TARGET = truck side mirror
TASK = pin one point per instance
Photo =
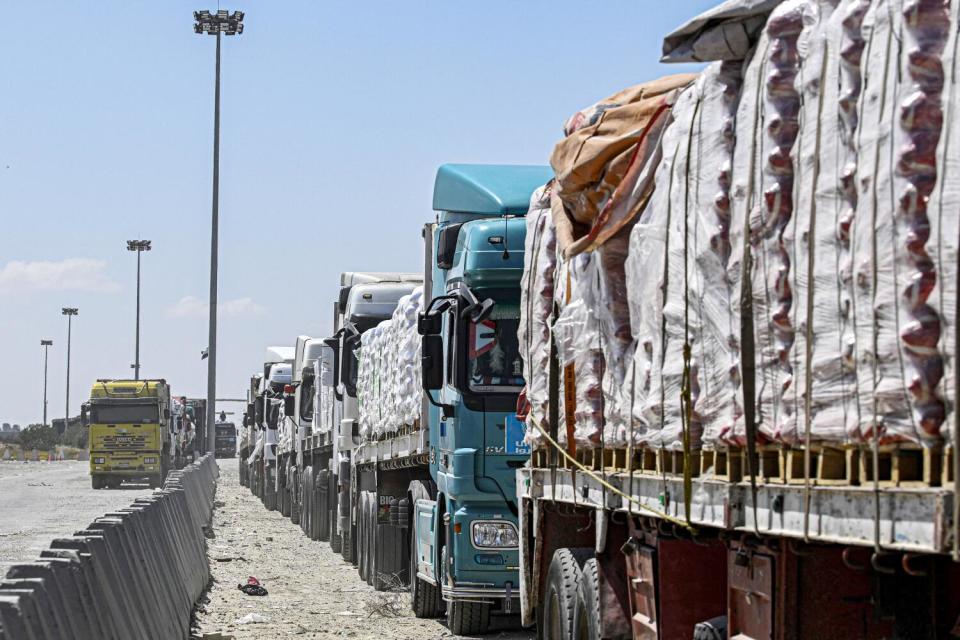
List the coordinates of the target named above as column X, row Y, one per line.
column 431, row 362
column 289, row 405
column 166, row 414
column 429, row 324
column 480, row 311
column 83, row 415
column 258, row 410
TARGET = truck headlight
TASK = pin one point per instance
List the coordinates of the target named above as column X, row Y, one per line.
column 493, row 534
column 98, row 461
column 149, row 461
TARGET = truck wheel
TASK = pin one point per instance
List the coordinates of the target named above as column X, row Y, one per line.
column 468, row 618
column 586, row 616
column 424, row 597
column 369, row 529
column 269, row 490
column 283, row 494
column 321, row 505
column 294, row 492
column 559, row 600
column 306, row 502
column 96, row 482
column 336, row 542
column 156, row 481
column 361, row 537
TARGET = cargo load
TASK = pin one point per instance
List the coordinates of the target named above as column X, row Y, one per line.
column 781, row 228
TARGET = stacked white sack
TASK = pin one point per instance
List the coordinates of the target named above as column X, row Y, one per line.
column 407, row 389
column 945, row 230
column 898, row 283
column 324, row 405
column 365, row 394
column 536, row 310
column 578, row 342
column 676, row 273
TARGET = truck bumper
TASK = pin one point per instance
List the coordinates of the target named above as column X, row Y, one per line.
column 476, row 592
column 125, row 464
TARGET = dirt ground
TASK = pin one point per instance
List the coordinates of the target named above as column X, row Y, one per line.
column 313, row 593
column 40, row 501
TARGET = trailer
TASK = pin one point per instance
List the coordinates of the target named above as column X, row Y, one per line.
column 739, row 399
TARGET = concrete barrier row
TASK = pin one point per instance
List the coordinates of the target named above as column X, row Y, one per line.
column 133, row 573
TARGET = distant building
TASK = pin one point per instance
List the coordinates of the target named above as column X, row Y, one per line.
column 6, row 426
column 16, row 427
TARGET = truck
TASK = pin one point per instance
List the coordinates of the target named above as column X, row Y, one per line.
column 130, row 431
column 266, row 399
column 432, row 479
column 325, row 401
column 226, row 440
column 740, row 402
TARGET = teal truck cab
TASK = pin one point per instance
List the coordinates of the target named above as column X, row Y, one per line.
column 437, row 499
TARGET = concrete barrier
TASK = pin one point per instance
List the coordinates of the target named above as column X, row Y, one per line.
column 133, row 573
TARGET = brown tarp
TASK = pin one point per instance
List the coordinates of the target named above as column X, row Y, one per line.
column 604, row 166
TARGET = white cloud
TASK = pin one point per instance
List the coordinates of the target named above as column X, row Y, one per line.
column 72, row 274
column 191, row 307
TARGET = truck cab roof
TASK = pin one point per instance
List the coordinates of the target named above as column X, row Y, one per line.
column 368, row 304
column 487, row 189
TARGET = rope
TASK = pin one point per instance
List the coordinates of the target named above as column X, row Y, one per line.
column 606, row 485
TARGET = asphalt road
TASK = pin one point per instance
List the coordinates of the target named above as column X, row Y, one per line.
column 40, row 501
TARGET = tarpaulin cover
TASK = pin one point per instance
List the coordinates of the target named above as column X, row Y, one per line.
column 725, row 32
column 600, row 182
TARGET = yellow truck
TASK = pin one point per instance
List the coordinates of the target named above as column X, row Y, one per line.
column 129, row 423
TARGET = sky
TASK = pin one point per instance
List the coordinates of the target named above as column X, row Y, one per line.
column 335, row 117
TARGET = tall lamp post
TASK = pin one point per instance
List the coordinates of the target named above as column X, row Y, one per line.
column 139, row 246
column 46, row 344
column 216, row 24
column 69, row 312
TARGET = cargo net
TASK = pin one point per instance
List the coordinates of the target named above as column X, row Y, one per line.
column 777, row 239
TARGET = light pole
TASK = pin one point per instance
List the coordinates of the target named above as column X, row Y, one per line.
column 69, row 312
column 226, row 23
column 46, row 344
column 139, row 246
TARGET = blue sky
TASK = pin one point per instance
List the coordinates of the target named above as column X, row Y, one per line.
column 335, row 118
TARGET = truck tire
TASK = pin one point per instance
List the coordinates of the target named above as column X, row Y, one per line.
column 306, row 497
column 559, row 599
column 321, row 506
column 424, row 597
column 96, row 482
column 156, row 481
column 293, row 483
column 586, row 615
column 269, row 490
column 390, row 557
column 283, row 492
column 468, row 618
column 362, row 537
column 369, row 528
column 336, row 542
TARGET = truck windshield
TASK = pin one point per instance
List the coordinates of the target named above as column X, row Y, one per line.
column 126, row 413
column 493, row 361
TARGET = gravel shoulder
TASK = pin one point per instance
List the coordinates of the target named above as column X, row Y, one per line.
column 313, row 593
column 40, row 501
